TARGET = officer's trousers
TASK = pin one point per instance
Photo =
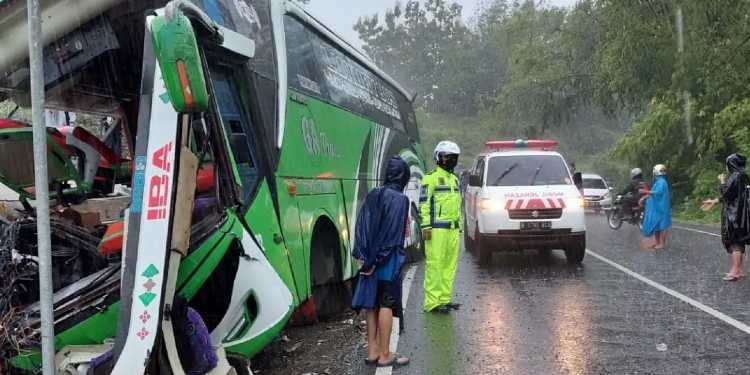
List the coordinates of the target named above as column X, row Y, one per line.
column 441, row 260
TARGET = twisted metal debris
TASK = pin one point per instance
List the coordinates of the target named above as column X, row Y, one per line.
column 75, row 255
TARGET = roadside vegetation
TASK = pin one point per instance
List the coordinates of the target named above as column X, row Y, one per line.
column 620, row 83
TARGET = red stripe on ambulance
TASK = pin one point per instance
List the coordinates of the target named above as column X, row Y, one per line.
column 535, row 204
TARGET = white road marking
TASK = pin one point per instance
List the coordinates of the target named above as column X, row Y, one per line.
column 406, row 288
column 696, row 231
column 708, row 310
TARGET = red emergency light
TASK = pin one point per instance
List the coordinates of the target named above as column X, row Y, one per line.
column 529, row 144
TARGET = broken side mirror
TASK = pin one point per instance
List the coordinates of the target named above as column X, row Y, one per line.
column 180, row 62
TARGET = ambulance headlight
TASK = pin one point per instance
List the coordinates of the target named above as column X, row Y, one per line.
column 490, row 205
column 575, row 202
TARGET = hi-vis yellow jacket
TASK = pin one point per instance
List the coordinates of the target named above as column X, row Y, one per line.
column 440, row 201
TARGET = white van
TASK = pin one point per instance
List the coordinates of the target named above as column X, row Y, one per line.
column 596, row 192
column 521, row 196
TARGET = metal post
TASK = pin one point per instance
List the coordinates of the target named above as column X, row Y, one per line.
column 41, row 186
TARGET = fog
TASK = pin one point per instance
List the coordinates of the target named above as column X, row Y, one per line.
column 330, row 12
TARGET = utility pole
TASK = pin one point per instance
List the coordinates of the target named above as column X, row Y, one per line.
column 36, row 67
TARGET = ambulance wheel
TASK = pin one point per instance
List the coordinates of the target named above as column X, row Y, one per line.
column 575, row 252
column 484, row 252
column 468, row 242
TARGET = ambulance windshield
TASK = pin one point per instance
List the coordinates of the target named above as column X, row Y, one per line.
column 527, row 170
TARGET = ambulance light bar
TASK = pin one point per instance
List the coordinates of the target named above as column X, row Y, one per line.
column 535, row 144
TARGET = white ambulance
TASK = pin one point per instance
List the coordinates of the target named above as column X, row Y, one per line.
column 521, row 195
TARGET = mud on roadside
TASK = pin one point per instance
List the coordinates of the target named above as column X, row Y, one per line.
column 331, row 347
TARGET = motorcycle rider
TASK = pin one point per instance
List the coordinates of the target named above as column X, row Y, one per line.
column 632, row 192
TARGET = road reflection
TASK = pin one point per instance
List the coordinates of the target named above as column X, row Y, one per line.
column 556, row 326
column 572, row 329
column 442, row 356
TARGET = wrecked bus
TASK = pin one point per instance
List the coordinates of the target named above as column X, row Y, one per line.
column 244, row 162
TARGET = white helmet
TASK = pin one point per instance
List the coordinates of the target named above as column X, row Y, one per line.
column 635, row 172
column 660, row 170
column 446, row 147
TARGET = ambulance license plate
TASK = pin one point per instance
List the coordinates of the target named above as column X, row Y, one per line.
column 536, row 225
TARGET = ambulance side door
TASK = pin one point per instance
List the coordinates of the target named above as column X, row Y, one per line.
column 471, row 200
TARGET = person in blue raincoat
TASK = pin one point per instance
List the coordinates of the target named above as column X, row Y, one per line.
column 379, row 248
column 657, row 218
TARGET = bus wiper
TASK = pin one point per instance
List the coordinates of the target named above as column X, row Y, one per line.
column 505, row 173
column 536, row 173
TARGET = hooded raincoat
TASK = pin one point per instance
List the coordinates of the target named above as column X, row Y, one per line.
column 380, row 233
column 658, row 214
column 734, row 224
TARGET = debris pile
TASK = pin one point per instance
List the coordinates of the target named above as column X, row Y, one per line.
column 75, row 255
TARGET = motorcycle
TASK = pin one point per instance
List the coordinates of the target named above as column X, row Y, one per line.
column 616, row 214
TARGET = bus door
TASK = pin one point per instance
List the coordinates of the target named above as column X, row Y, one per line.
column 264, row 292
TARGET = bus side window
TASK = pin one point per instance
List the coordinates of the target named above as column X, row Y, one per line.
column 410, row 119
column 302, row 72
column 235, row 124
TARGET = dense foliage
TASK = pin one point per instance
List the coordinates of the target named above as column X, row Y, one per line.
column 621, row 83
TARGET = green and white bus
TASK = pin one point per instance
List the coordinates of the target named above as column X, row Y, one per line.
column 244, row 207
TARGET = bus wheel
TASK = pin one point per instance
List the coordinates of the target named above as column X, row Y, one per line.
column 328, row 291
column 415, row 252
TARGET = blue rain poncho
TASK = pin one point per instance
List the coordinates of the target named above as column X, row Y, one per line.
column 380, row 233
column 658, row 214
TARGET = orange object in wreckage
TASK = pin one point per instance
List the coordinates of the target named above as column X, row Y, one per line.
column 112, row 241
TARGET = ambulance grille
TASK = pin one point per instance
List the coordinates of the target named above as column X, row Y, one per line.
column 541, row 214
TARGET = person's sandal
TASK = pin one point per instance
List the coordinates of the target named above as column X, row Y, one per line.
column 741, row 276
column 397, row 360
column 371, row 362
column 731, row 278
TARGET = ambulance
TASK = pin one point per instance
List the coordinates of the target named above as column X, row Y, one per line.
column 521, row 195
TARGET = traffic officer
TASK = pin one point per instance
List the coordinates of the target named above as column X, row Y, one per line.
column 440, row 208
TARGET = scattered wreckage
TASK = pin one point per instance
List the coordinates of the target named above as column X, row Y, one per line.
column 86, row 229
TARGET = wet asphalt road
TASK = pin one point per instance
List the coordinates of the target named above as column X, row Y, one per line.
column 530, row 314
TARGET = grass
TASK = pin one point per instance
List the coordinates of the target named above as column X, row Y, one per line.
column 700, row 218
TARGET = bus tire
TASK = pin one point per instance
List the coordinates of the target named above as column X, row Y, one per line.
column 415, row 252
column 328, row 291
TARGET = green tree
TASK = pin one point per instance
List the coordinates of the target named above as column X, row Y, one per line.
column 427, row 48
